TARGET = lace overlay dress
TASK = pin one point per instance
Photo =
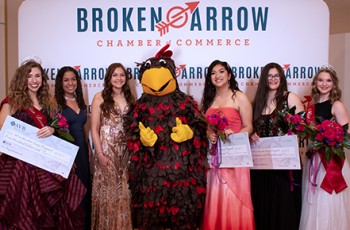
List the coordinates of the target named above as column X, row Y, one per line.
column 110, row 189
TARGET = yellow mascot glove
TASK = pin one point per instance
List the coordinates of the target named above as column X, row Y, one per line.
column 147, row 136
column 181, row 132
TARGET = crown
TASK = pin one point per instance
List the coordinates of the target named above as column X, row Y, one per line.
column 328, row 67
column 31, row 58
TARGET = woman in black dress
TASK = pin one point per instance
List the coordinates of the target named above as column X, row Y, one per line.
column 276, row 199
column 69, row 96
column 326, row 207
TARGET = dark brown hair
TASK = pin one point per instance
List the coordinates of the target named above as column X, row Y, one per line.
column 59, row 92
column 107, row 92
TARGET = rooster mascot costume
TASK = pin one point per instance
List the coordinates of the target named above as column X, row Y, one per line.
column 168, row 146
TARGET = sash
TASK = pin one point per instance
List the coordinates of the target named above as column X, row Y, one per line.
column 38, row 117
column 4, row 101
column 310, row 117
column 334, row 179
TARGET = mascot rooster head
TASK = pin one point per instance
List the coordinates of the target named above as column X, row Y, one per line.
column 157, row 74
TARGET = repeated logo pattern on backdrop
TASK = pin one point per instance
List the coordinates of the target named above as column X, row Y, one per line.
column 90, row 35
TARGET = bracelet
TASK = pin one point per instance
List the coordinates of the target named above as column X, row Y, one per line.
column 98, row 153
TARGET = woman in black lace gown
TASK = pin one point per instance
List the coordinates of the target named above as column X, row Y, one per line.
column 69, row 96
column 276, row 199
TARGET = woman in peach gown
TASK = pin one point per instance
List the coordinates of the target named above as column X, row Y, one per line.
column 228, row 203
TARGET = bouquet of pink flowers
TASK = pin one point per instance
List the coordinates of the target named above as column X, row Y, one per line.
column 59, row 123
column 217, row 123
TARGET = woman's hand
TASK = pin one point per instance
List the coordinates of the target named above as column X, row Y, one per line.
column 212, row 137
column 103, row 161
column 254, row 137
column 228, row 132
column 45, row 132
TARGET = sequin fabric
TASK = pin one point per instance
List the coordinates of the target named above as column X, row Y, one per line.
column 110, row 189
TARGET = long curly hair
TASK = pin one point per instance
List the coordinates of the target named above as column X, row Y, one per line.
column 107, row 92
column 335, row 93
column 18, row 90
column 59, row 92
column 261, row 96
column 209, row 90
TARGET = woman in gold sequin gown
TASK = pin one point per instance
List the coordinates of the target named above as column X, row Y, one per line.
column 110, row 190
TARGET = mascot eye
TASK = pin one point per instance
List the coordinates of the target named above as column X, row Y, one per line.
column 147, row 65
column 162, row 62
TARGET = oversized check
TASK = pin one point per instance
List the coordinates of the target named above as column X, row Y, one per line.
column 281, row 152
column 235, row 152
column 19, row 140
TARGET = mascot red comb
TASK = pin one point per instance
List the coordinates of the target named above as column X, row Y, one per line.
column 168, row 146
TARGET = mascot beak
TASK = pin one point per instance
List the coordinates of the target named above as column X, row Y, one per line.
column 158, row 81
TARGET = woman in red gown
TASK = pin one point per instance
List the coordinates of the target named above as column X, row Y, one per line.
column 228, row 203
column 30, row 197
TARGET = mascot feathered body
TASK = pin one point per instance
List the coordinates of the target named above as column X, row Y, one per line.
column 168, row 145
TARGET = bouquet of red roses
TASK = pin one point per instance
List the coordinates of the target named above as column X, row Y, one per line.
column 329, row 140
column 332, row 138
column 296, row 123
column 59, row 123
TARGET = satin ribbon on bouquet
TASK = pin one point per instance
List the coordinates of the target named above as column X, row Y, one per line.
column 334, row 179
column 216, row 153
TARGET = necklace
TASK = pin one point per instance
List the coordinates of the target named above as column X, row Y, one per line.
column 70, row 99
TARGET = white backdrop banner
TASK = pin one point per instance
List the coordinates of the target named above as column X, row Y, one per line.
column 90, row 35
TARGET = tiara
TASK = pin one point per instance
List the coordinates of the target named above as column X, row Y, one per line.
column 31, row 58
column 328, row 67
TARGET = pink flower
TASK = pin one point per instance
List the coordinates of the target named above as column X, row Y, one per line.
column 288, row 117
column 217, row 122
column 296, row 119
column 62, row 121
column 212, row 120
column 330, row 133
column 222, row 125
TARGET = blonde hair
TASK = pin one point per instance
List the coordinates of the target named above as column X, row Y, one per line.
column 335, row 94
